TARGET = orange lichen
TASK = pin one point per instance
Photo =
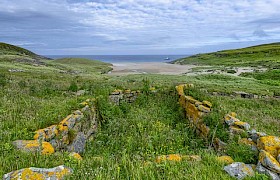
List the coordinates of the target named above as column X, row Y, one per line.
column 61, row 174
column 225, row 159
column 170, row 157
column 182, row 101
column 47, row 148
column 63, row 125
column 191, row 158
column 233, row 114
column 269, row 161
column 271, row 144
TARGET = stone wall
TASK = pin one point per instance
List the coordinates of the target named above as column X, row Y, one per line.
column 71, row 134
column 118, row 96
column 195, row 110
column 268, row 147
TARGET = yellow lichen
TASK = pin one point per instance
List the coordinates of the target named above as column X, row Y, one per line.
column 170, row 157
column 61, row 174
column 225, row 159
column 191, row 158
column 271, row 144
column 63, row 125
column 268, row 160
column 191, row 99
column 47, row 148
column 76, row 156
column 180, row 89
column 233, row 114
column 207, row 103
column 247, row 142
column 28, row 174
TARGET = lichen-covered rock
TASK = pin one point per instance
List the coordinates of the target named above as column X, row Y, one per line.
column 262, row 170
column 46, row 134
column 254, row 135
column 268, row 161
column 78, row 144
column 32, row 173
column 76, row 156
column 225, row 159
column 191, row 99
column 270, row 144
column 236, row 130
column 204, row 109
column 207, row 104
column 34, row 146
column 180, row 89
column 233, row 114
column 177, row 157
column 203, row 130
column 230, row 120
column 242, row 125
column 239, row 170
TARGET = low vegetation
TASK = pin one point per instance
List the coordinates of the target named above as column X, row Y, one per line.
column 131, row 136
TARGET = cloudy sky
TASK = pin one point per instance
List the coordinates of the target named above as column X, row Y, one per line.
column 138, row 26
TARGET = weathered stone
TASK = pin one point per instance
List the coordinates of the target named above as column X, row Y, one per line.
column 78, row 144
column 32, row 173
column 271, row 144
column 233, row 114
column 278, row 157
column 225, row 159
column 34, row 146
column 203, row 130
column 180, row 89
column 46, row 134
column 230, row 120
column 239, row 170
column 198, row 103
column 262, row 170
column 76, row 156
column 203, row 109
column 236, row 130
column 177, row 157
column 182, row 101
column 207, row 104
column 268, row 161
column 242, row 125
column 254, row 135
column 191, row 99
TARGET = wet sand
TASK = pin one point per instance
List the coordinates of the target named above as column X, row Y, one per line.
column 150, row 68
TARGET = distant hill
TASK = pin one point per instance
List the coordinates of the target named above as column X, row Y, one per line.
column 262, row 55
column 11, row 52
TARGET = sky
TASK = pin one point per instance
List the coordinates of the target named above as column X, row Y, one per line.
column 111, row 27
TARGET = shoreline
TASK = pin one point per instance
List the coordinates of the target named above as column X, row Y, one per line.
column 125, row 68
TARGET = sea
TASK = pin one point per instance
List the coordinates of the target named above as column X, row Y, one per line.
column 124, row 58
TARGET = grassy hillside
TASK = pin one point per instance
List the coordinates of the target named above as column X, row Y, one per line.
column 11, row 52
column 267, row 55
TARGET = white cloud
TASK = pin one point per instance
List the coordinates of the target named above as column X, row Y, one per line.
column 149, row 23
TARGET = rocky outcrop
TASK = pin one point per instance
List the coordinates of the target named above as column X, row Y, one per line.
column 239, row 170
column 56, row 173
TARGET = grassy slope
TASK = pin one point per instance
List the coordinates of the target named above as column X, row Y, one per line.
column 267, row 55
column 11, row 52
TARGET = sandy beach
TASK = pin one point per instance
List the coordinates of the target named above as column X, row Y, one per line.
column 149, row 68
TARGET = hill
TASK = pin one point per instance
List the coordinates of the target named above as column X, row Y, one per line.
column 267, row 55
column 11, row 52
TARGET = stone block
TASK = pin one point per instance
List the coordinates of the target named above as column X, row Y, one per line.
column 270, row 144
column 269, row 162
column 239, row 170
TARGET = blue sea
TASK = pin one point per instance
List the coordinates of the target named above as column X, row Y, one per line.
column 124, row 58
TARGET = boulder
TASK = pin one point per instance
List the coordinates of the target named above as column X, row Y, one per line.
column 34, row 146
column 262, row 170
column 230, row 120
column 78, row 144
column 269, row 162
column 76, row 156
column 239, row 170
column 249, row 142
column 270, row 144
column 236, row 130
column 56, row 173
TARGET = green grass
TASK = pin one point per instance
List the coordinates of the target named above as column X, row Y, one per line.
column 130, row 136
column 267, row 55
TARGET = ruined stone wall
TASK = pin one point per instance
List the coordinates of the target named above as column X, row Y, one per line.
column 71, row 134
column 268, row 147
column 195, row 110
